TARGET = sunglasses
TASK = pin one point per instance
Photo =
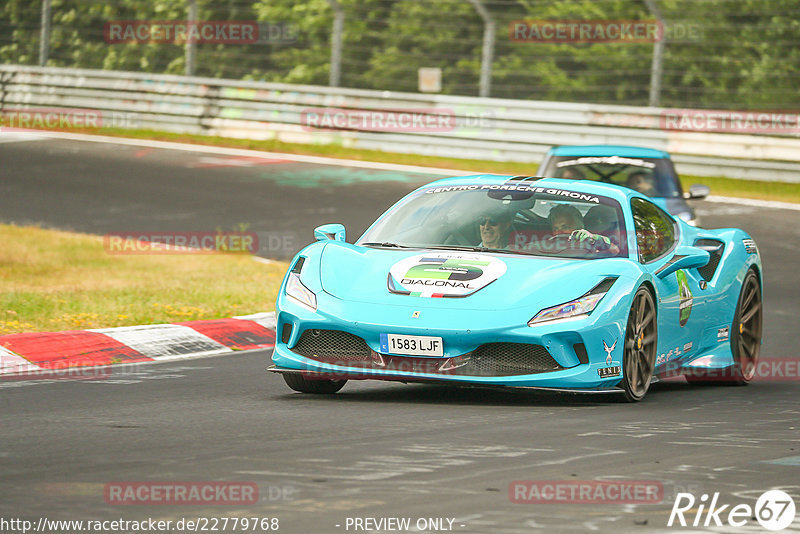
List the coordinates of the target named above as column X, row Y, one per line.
column 491, row 221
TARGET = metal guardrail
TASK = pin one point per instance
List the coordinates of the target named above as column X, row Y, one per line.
column 480, row 128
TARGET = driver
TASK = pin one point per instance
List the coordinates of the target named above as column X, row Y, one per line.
column 643, row 183
column 565, row 219
column 571, row 173
column 495, row 228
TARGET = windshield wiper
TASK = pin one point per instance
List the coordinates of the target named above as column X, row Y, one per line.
column 482, row 249
column 466, row 248
column 385, row 244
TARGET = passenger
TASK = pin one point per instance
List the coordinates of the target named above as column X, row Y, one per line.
column 601, row 220
column 566, row 219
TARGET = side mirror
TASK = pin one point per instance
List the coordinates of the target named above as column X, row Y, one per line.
column 329, row 231
column 684, row 258
column 697, row 191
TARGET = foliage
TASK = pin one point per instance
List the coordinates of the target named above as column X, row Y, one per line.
column 724, row 54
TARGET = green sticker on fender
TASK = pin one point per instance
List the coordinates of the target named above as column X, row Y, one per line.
column 686, row 299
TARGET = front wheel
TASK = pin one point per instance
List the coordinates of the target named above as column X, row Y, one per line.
column 641, row 335
column 298, row 382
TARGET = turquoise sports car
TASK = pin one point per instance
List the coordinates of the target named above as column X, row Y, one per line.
column 518, row 281
column 646, row 170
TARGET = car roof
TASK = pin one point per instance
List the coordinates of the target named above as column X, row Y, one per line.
column 609, row 150
column 617, row 192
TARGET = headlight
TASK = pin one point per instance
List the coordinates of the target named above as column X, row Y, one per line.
column 582, row 306
column 296, row 290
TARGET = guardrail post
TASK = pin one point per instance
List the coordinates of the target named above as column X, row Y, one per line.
column 5, row 77
column 487, row 54
column 210, row 108
column 191, row 47
column 657, row 66
column 44, row 35
column 336, row 43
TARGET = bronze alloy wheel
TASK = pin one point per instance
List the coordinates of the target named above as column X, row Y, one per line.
column 641, row 335
column 746, row 330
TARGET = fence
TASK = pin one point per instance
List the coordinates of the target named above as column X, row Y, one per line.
column 474, row 127
column 732, row 54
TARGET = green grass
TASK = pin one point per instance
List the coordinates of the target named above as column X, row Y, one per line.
column 53, row 280
column 785, row 192
column 782, row 191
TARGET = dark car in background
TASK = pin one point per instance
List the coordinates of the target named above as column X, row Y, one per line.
column 646, row 170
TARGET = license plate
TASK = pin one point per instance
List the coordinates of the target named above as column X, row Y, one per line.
column 412, row 345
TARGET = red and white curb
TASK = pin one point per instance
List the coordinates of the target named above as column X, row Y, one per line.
column 33, row 352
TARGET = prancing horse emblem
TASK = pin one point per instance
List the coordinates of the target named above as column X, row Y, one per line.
column 609, row 350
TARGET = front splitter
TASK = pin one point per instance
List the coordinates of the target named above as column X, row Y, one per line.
column 319, row 375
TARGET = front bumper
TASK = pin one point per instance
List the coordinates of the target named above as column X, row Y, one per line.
column 576, row 346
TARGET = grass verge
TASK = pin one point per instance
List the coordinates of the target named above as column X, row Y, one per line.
column 728, row 187
column 782, row 191
column 53, row 280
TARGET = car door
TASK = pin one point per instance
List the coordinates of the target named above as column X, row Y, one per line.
column 680, row 313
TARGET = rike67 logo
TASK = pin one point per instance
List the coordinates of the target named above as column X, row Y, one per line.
column 774, row 510
column 444, row 274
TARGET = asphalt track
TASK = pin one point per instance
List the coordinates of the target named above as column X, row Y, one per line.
column 374, row 449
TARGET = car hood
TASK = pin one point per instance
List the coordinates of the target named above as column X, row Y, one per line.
column 439, row 279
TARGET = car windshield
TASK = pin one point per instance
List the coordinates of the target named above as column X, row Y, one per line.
column 654, row 177
column 510, row 218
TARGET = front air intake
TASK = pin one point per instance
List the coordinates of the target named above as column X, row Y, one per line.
column 504, row 359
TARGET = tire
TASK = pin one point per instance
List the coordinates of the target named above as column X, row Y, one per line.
column 298, row 382
column 641, row 339
column 745, row 338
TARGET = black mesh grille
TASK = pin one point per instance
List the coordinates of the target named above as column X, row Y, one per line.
column 499, row 359
column 715, row 249
column 491, row 359
column 332, row 345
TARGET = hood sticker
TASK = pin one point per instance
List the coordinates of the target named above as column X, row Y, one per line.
column 444, row 274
